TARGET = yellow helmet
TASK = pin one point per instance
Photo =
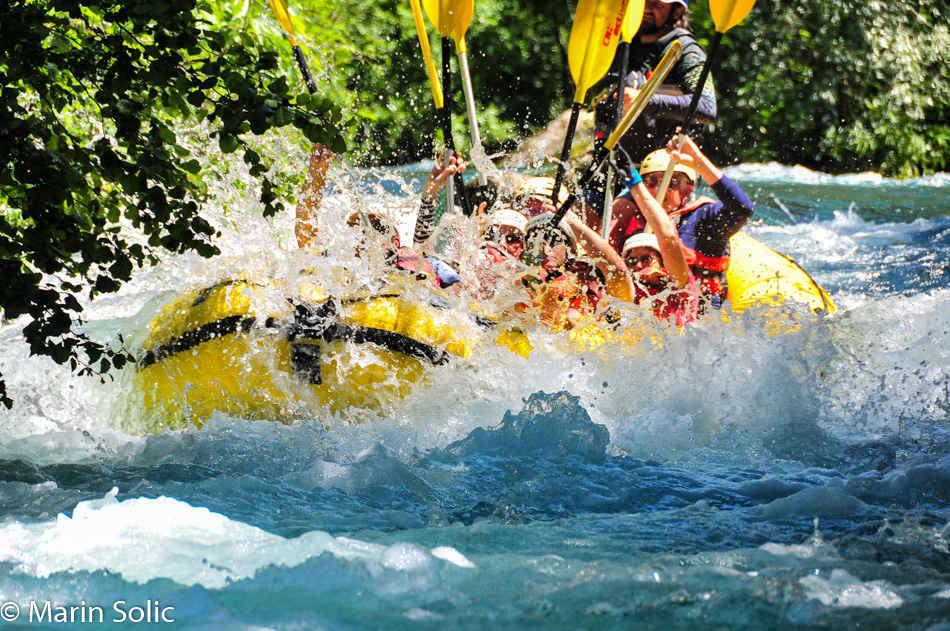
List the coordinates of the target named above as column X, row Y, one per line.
column 657, row 162
column 539, row 188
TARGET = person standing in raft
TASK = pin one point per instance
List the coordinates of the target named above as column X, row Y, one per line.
column 398, row 256
column 704, row 225
column 664, row 22
column 651, row 270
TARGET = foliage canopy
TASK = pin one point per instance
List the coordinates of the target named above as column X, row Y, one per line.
column 90, row 96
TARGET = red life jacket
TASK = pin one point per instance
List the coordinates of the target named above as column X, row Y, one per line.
column 679, row 306
column 497, row 254
column 577, row 287
column 409, row 261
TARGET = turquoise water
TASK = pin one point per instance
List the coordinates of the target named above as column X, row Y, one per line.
column 731, row 477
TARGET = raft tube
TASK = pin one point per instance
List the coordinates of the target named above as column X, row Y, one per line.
column 758, row 274
column 226, row 348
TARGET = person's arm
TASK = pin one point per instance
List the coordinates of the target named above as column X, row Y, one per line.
column 425, row 219
column 593, row 243
column 671, row 248
column 736, row 207
column 685, row 75
column 619, row 282
column 311, row 195
column 689, row 155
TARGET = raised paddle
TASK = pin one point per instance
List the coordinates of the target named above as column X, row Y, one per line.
column 725, row 15
column 590, row 51
column 439, row 95
column 427, row 54
column 283, row 18
column 452, row 19
column 636, row 108
column 631, row 24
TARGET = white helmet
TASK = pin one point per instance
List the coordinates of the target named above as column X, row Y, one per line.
column 641, row 240
column 541, row 230
column 507, row 217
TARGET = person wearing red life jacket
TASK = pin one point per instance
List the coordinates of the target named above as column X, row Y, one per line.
column 504, row 234
column 563, row 287
column 652, row 269
column 495, row 266
column 704, row 225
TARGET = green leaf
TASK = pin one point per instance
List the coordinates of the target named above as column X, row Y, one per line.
column 192, row 166
column 228, row 143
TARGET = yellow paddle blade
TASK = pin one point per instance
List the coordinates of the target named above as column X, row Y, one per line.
column 631, row 21
column 728, row 13
column 283, row 17
column 594, row 37
column 451, row 18
column 427, row 54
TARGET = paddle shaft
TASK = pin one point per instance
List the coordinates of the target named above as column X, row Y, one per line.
column 566, row 150
column 622, row 80
column 690, row 112
column 446, row 120
column 472, row 117
column 606, row 211
column 305, row 69
column 636, row 108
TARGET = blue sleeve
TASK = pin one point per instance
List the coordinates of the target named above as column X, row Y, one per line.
column 447, row 275
column 719, row 221
column 734, row 199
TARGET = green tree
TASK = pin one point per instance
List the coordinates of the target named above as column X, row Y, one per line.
column 836, row 86
column 91, row 94
column 517, row 54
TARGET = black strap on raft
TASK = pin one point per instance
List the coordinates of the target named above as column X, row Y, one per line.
column 311, row 324
column 191, row 339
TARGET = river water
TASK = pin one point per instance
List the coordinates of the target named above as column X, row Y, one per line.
column 736, row 476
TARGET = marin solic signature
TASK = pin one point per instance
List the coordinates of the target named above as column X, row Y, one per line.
column 120, row 611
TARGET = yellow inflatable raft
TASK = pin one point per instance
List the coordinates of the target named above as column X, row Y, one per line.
column 757, row 274
column 234, row 349
column 262, row 350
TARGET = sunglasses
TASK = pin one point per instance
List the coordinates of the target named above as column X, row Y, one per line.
column 513, row 238
column 653, row 180
column 644, row 260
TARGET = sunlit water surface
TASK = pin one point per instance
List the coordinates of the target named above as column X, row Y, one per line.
column 733, row 476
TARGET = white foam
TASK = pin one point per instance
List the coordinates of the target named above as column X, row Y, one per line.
column 843, row 590
column 142, row 539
